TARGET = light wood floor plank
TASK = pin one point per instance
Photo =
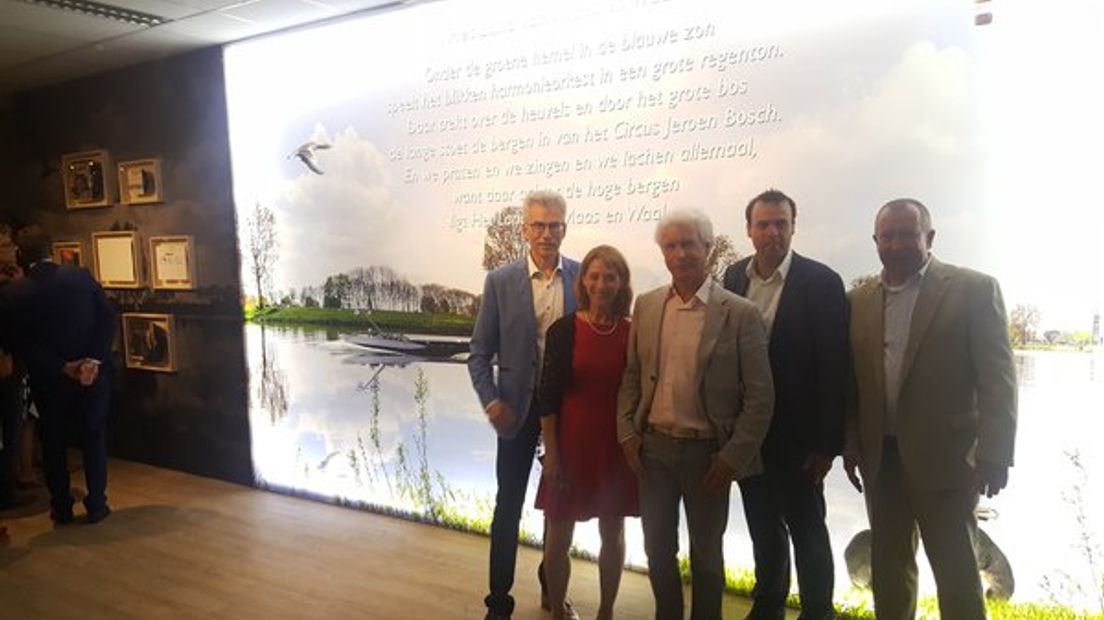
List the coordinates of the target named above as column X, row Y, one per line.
column 182, row 546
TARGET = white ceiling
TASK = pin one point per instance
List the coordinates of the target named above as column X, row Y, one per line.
column 41, row 45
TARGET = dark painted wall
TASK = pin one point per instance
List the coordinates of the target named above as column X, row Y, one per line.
column 195, row 419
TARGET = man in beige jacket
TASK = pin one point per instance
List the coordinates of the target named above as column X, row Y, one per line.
column 693, row 409
column 934, row 419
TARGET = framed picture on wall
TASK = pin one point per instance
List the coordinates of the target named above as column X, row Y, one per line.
column 88, row 180
column 68, row 253
column 115, row 254
column 140, row 181
column 149, row 342
column 172, row 262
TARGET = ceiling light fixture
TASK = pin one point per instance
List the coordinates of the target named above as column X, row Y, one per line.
column 105, row 11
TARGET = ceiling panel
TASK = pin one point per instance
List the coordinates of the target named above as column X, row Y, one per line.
column 213, row 28
column 54, row 21
column 17, row 45
column 281, row 13
column 40, row 45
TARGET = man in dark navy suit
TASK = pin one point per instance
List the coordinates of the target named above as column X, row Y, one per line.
column 62, row 326
column 805, row 310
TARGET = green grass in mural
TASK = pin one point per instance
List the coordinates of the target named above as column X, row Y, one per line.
column 433, row 500
column 405, row 322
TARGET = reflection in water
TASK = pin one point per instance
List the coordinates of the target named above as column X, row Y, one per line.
column 413, row 439
column 273, row 383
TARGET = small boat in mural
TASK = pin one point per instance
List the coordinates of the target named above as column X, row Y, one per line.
column 401, row 348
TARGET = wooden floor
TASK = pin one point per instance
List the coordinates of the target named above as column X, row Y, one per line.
column 182, row 546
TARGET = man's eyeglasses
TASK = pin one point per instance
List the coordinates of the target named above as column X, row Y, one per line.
column 553, row 227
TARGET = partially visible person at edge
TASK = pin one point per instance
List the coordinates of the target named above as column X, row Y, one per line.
column 520, row 301
column 11, row 385
column 934, row 418
column 694, row 406
column 584, row 473
column 62, row 328
column 804, row 308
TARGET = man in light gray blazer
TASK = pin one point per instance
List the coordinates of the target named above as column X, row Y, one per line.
column 693, row 409
column 934, row 418
column 520, row 300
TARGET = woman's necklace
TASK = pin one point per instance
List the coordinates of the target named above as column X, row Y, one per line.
column 589, row 320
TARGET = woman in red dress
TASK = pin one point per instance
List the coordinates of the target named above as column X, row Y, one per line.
column 585, row 474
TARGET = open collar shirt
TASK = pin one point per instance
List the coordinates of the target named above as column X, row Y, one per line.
column 899, row 303
column 676, row 405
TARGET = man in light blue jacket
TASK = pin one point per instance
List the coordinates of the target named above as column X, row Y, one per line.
column 520, row 300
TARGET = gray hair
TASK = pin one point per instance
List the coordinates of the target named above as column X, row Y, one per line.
column 695, row 218
column 545, row 198
column 901, row 203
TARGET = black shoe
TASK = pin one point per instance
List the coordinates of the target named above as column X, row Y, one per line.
column 96, row 516
column 61, row 517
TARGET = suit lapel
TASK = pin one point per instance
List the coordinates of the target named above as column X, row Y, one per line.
column 651, row 319
column 570, row 273
column 524, row 285
column 714, row 321
column 876, row 306
column 868, row 337
column 740, row 286
column 790, row 287
column 932, row 287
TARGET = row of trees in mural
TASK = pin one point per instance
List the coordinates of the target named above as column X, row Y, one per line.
column 380, row 287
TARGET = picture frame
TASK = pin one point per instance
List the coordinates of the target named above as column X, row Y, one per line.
column 172, row 262
column 68, row 253
column 140, row 181
column 87, row 180
column 115, row 254
column 149, row 341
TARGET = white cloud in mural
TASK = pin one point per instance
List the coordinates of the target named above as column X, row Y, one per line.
column 907, row 134
column 341, row 219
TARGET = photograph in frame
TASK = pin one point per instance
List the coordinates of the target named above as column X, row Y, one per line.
column 172, row 261
column 140, row 181
column 87, row 180
column 115, row 255
column 68, row 253
column 149, row 341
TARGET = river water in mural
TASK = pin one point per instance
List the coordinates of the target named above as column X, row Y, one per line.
column 333, row 421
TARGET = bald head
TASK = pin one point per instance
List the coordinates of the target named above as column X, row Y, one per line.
column 903, row 235
column 907, row 204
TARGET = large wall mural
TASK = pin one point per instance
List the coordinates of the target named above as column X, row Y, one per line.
column 378, row 164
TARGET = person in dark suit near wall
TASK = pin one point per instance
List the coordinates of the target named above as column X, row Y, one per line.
column 805, row 309
column 11, row 383
column 62, row 327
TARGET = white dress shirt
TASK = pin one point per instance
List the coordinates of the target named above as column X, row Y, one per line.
column 765, row 293
column 548, row 301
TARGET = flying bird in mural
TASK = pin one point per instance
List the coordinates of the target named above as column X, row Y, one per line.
column 305, row 153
